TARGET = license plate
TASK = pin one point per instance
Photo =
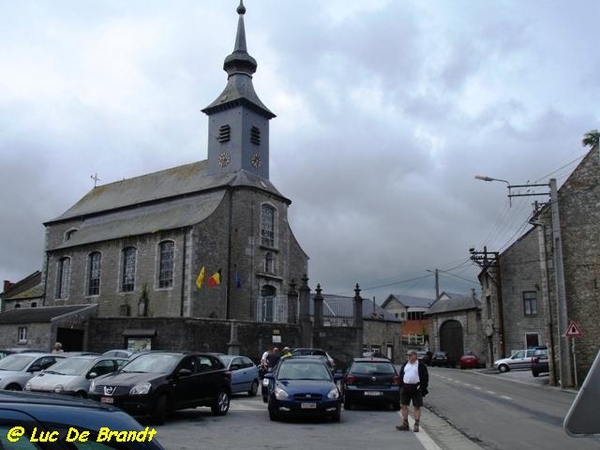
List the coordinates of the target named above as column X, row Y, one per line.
column 308, row 406
column 373, row 393
column 107, row 400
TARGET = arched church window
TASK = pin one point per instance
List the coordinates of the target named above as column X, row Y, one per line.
column 267, row 226
column 165, row 264
column 94, row 272
column 128, row 269
column 63, row 277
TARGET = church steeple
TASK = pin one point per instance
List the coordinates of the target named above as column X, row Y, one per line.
column 238, row 130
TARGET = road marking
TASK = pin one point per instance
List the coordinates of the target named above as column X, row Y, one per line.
column 505, row 397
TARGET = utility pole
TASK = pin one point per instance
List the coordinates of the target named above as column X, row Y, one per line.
column 437, row 285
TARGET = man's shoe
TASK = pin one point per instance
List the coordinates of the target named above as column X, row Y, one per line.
column 403, row 426
column 416, row 428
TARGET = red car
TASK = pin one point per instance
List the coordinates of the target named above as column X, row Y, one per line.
column 469, row 361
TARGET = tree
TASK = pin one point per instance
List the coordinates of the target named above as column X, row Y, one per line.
column 591, row 139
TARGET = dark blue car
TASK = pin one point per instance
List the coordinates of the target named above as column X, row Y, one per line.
column 52, row 421
column 302, row 387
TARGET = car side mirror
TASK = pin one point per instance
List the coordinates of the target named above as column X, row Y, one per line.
column 92, row 375
column 184, row 372
column 269, row 375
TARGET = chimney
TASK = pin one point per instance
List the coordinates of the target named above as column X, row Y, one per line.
column 8, row 285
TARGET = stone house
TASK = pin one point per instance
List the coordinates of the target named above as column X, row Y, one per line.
column 455, row 325
column 411, row 312
column 549, row 277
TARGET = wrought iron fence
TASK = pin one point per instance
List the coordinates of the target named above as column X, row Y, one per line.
column 337, row 312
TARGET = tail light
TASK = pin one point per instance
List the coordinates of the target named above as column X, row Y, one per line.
column 350, row 379
column 395, row 380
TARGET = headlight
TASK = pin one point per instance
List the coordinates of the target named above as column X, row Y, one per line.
column 140, row 389
column 28, row 386
column 92, row 387
column 58, row 388
column 333, row 394
column 281, row 394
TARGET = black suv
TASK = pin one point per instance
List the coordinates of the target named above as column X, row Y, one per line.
column 539, row 362
column 156, row 383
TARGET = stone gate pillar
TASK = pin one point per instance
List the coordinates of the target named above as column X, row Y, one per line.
column 305, row 323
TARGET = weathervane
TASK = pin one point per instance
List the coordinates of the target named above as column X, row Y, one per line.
column 95, row 178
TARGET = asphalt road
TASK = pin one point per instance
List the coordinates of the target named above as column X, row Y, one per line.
column 497, row 411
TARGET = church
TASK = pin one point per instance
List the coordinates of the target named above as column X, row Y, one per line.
column 209, row 239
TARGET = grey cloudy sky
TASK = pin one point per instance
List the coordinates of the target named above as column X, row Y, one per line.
column 385, row 112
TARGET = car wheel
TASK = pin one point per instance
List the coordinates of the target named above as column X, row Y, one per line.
column 221, row 404
column 347, row 404
column 81, row 394
column 159, row 413
column 272, row 414
column 253, row 389
column 503, row 368
column 13, row 387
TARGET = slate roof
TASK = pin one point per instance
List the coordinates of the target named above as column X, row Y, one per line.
column 42, row 314
column 179, row 181
column 28, row 287
column 453, row 302
column 409, row 301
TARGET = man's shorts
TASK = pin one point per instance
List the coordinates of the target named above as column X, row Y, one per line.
column 411, row 392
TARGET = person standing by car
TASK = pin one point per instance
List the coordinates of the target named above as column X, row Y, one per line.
column 273, row 358
column 414, row 380
column 57, row 348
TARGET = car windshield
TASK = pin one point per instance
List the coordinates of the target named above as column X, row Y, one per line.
column 16, row 362
column 370, row 368
column 303, row 372
column 70, row 366
column 152, row 363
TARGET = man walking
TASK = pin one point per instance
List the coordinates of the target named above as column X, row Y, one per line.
column 414, row 380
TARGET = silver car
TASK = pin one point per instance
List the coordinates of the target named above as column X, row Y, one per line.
column 73, row 376
column 520, row 359
column 18, row 368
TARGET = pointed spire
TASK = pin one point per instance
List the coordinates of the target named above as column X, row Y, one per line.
column 240, row 61
column 239, row 66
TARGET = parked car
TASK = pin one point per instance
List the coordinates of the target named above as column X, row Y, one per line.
column 539, row 362
column 469, row 361
column 424, row 357
column 303, row 387
column 72, row 376
column 442, row 359
column 244, row 374
column 10, row 351
column 50, row 412
column 520, row 359
column 119, row 353
column 314, row 351
column 371, row 381
column 156, row 383
column 18, row 368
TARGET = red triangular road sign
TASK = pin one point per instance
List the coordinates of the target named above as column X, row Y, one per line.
column 573, row 330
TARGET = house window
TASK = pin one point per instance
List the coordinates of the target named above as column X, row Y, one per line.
column 267, row 226
column 33, row 304
column 530, row 303
column 63, row 277
column 22, row 334
column 269, row 263
column 128, row 264
column 94, row 272
column 165, row 264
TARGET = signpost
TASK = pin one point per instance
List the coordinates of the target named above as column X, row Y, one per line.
column 573, row 331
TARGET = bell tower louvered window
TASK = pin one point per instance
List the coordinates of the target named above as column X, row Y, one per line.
column 255, row 135
column 224, row 133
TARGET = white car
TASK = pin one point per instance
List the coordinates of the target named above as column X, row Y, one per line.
column 520, row 359
column 72, row 376
column 18, row 368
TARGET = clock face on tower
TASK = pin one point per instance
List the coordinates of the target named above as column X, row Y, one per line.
column 224, row 159
column 255, row 160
